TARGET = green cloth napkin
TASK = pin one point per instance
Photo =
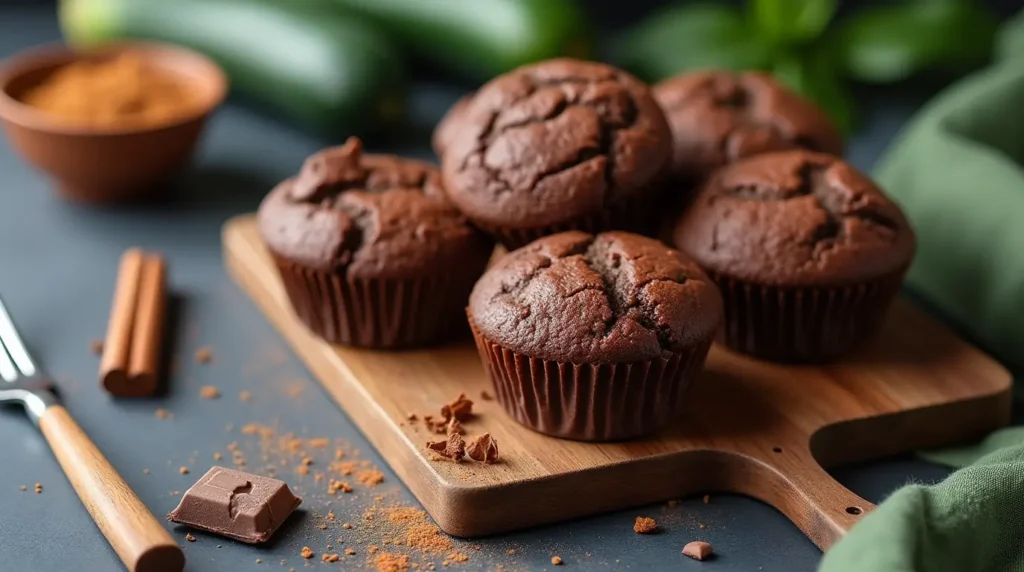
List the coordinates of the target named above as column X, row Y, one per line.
column 958, row 171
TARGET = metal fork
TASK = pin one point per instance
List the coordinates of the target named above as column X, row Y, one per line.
column 139, row 539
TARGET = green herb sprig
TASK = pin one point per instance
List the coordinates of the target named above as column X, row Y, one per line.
column 805, row 47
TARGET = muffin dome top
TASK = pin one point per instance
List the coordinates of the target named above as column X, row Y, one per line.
column 614, row 297
column 369, row 216
column 718, row 117
column 552, row 141
column 795, row 218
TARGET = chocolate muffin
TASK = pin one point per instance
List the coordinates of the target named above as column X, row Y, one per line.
column 594, row 337
column 370, row 251
column 718, row 117
column 558, row 145
column 807, row 251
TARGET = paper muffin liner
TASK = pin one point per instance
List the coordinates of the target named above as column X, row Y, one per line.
column 803, row 324
column 636, row 216
column 378, row 313
column 591, row 402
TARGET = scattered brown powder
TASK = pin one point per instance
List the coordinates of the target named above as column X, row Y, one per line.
column 386, row 562
column 645, row 525
column 372, row 549
column 204, row 354
column 350, row 551
column 329, row 558
column 189, row 537
column 162, row 413
column 183, row 470
column 209, row 392
column 323, row 527
column 412, row 417
column 556, row 560
column 319, row 443
column 698, row 550
column 330, row 515
column 483, row 449
column 428, row 538
column 38, row 488
column 338, row 453
column 245, row 396
column 346, row 526
column 370, row 477
column 458, row 557
column 511, row 550
column 96, row 346
column 302, row 470
column 334, row 486
column 306, row 553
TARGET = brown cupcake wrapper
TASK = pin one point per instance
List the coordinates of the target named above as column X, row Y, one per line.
column 635, row 217
column 803, row 324
column 382, row 313
column 591, row 402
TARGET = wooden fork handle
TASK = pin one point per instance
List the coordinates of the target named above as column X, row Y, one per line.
column 139, row 539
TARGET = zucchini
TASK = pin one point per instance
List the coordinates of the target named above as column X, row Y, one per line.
column 477, row 39
column 328, row 73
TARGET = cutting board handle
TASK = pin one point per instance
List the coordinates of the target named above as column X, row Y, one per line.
column 802, row 490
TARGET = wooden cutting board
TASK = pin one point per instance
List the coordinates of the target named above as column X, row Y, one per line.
column 751, row 427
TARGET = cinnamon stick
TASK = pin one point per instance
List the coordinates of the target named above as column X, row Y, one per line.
column 131, row 356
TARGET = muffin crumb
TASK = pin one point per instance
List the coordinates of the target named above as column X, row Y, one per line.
column 645, row 525
column 209, row 392
column 698, row 550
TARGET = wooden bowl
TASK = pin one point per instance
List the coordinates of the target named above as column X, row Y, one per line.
column 101, row 165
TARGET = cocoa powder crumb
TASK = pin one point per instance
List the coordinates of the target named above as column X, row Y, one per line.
column 96, row 346
column 428, row 538
column 306, row 553
column 350, row 551
column 338, row 453
column 330, row 515
column 483, row 449
column 386, row 562
column 189, row 537
column 370, row 478
column 323, row 527
column 302, row 470
column 645, row 525
column 698, row 550
column 485, row 396
column 346, row 525
column 244, row 396
column 334, row 486
column 556, row 560
column 372, row 549
column 454, row 427
column 412, row 417
column 38, row 488
column 707, row 499
column 307, row 461
column 461, row 409
column 183, row 470
column 319, row 443
column 204, row 354
column 209, row 392
column 511, row 550
column 458, row 557
column 329, row 558
column 217, row 456
column 162, row 413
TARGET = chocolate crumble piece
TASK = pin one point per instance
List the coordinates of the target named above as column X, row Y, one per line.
column 306, row 553
column 698, row 550
column 483, row 449
column 461, row 409
column 454, row 427
column 453, row 448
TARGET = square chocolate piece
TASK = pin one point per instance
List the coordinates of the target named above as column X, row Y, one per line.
column 238, row 505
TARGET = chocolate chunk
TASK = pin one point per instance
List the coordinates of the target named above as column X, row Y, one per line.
column 238, row 505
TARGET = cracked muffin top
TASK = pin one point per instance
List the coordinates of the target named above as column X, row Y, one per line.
column 795, row 218
column 554, row 141
column 613, row 297
column 368, row 216
column 719, row 117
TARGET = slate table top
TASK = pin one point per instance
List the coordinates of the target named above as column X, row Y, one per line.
column 57, row 270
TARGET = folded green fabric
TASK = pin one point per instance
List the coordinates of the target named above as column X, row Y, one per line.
column 971, row 522
column 958, row 171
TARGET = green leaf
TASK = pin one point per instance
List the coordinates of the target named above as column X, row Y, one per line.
column 812, row 75
column 1010, row 41
column 890, row 43
column 683, row 38
column 791, row 21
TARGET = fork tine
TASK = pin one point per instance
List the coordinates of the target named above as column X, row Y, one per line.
column 7, row 370
column 12, row 341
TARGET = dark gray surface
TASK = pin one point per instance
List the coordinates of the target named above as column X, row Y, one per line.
column 58, row 264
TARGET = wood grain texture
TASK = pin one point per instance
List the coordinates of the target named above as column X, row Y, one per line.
column 753, row 428
column 139, row 539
